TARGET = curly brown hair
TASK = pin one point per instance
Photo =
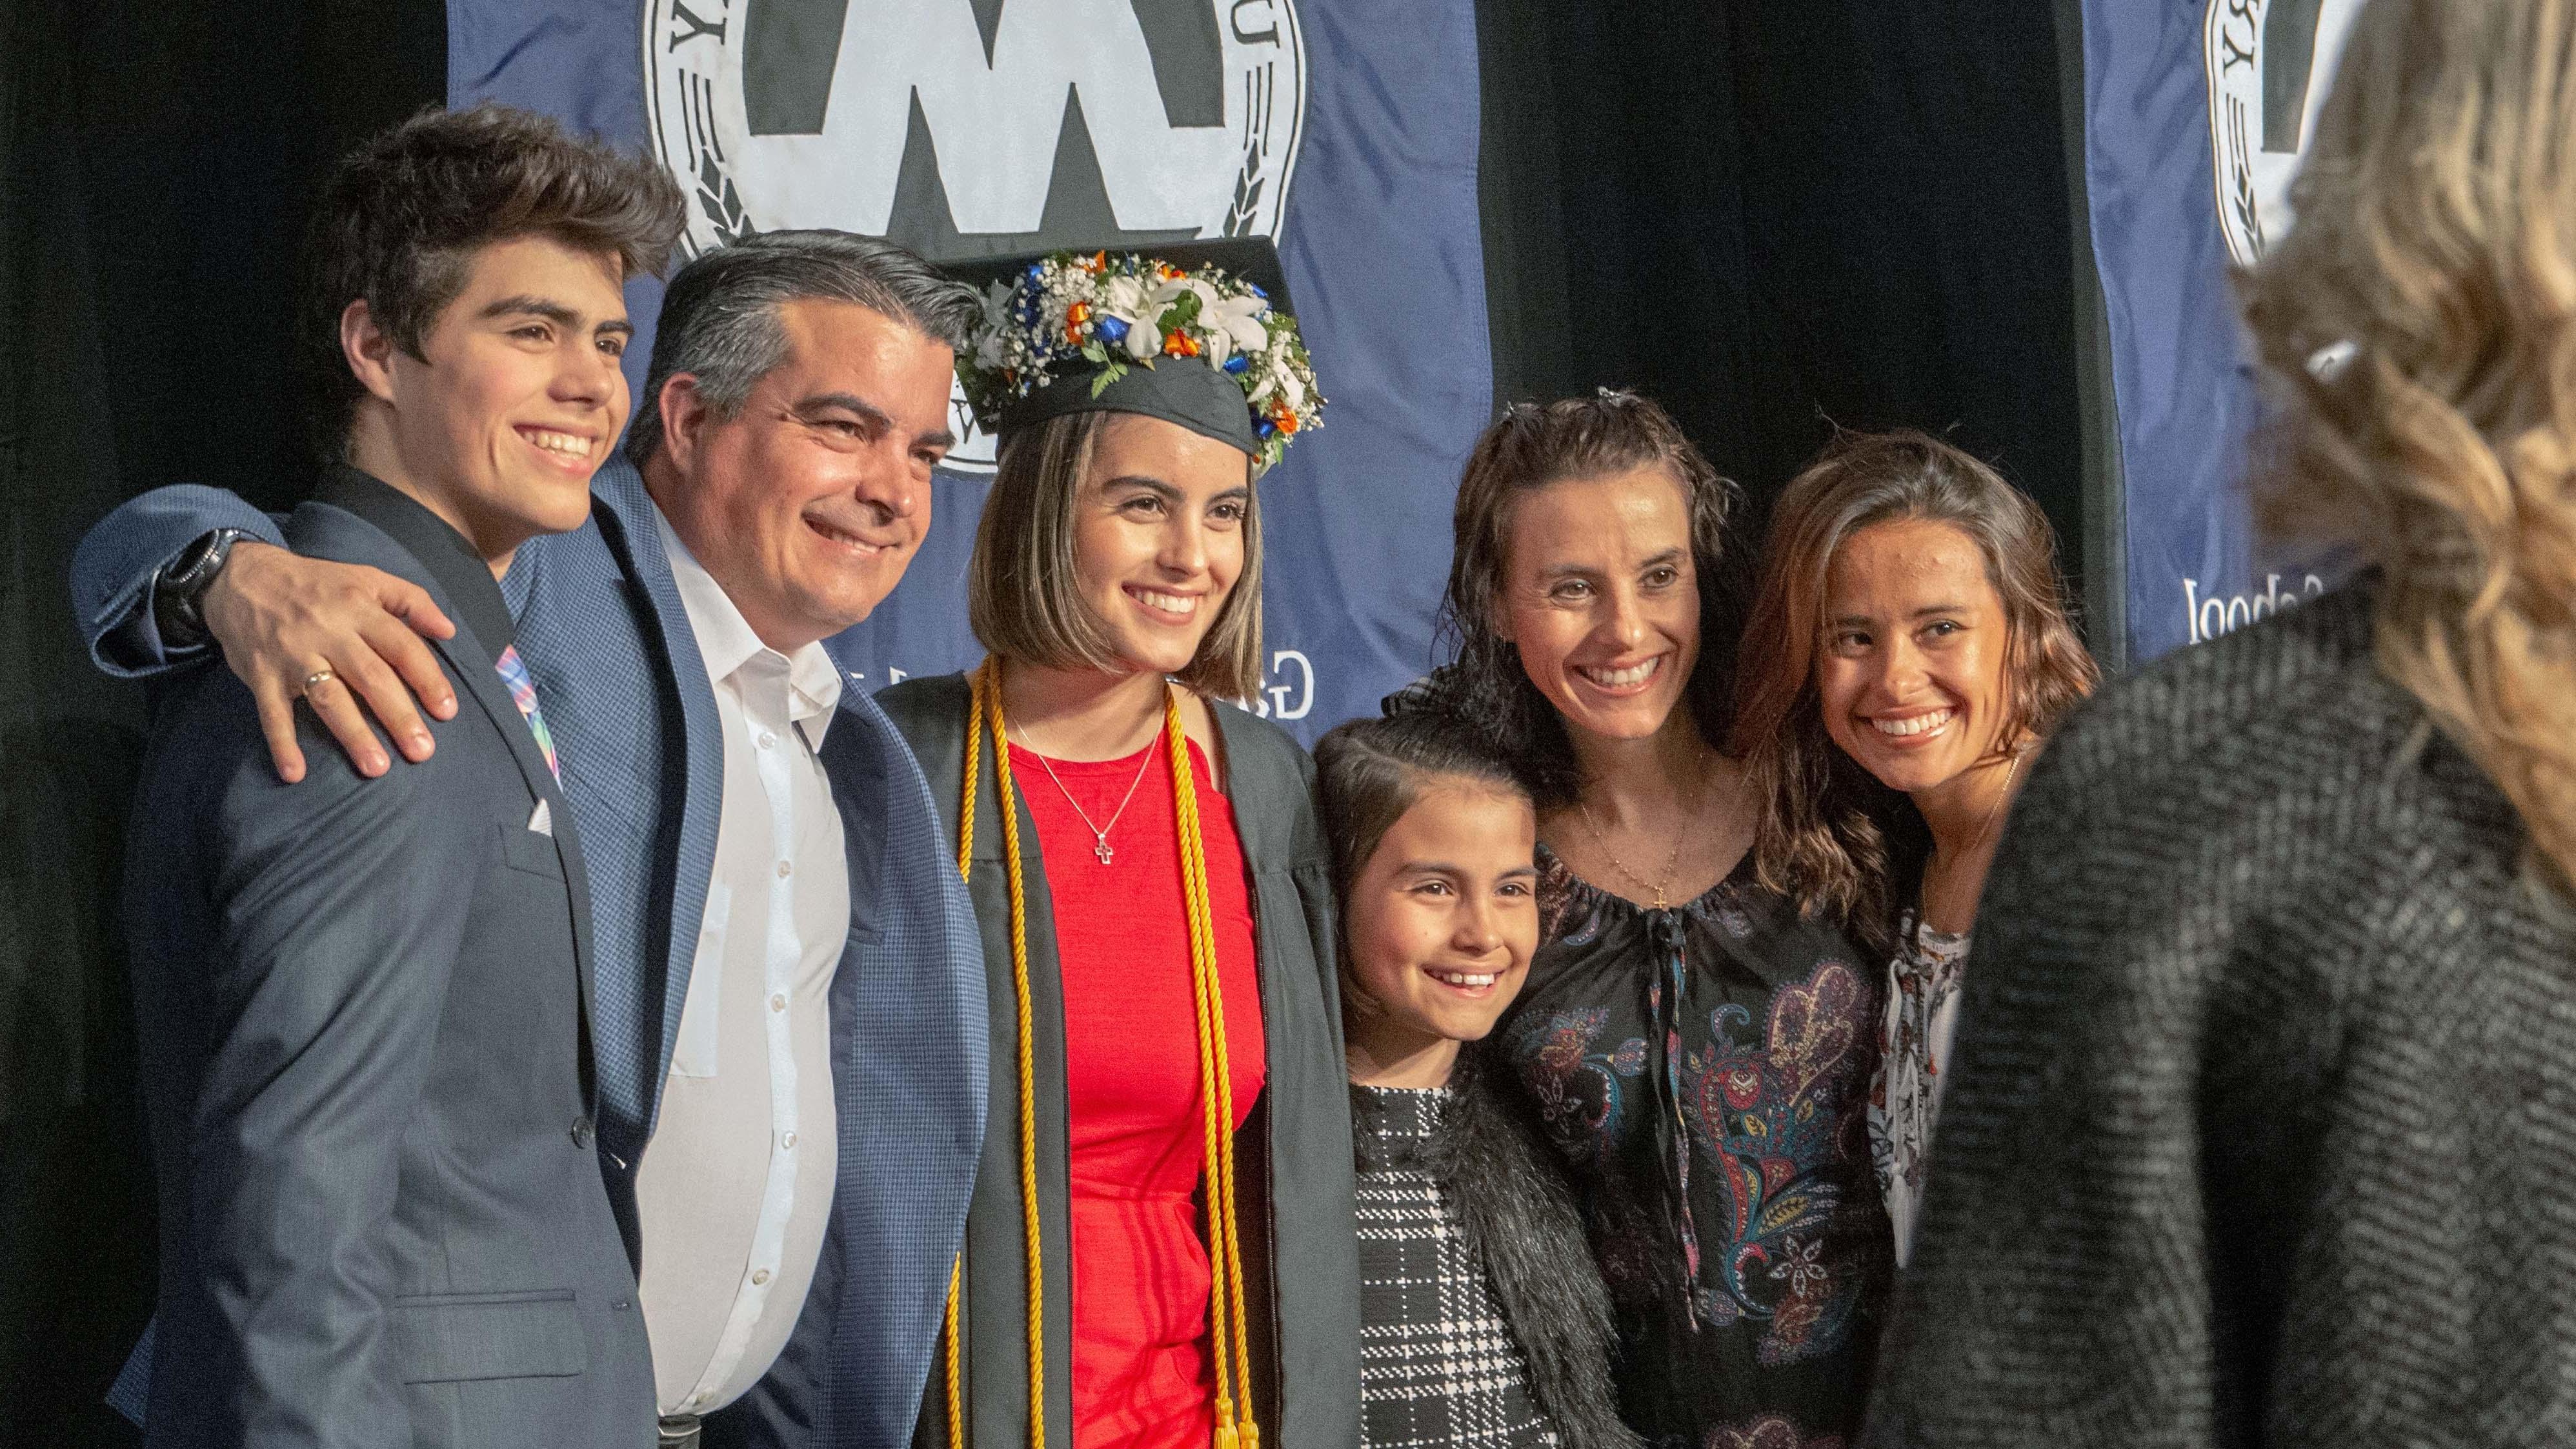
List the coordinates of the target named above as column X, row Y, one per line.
column 1529, row 447
column 1827, row 832
column 405, row 212
column 2419, row 326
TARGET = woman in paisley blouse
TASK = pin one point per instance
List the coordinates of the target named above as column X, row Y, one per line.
column 1907, row 649
column 1697, row 1046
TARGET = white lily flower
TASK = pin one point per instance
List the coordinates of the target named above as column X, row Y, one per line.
column 1126, row 299
column 1234, row 322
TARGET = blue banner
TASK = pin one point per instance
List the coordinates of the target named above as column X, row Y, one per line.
column 2196, row 115
column 1344, row 129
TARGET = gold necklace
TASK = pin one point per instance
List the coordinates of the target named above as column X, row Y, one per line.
column 1672, row 863
column 1099, row 833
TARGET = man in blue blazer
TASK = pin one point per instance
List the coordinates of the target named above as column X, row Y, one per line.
column 733, row 798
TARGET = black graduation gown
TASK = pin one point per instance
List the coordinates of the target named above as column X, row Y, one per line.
column 1293, row 1156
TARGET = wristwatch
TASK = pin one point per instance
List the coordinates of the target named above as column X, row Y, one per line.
column 179, row 589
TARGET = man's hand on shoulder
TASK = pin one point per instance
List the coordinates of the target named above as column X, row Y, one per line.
column 282, row 620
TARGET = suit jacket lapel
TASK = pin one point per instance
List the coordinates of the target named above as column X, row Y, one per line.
column 471, row 663
column 628, row 523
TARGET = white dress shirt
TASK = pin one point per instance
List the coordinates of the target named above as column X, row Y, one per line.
column 734, row 1189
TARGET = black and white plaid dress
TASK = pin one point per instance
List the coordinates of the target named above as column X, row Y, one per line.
column 1438, row 1363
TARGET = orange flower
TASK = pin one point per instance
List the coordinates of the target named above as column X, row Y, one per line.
column 1180, row 344
column 1166, row 270
column 1096, row 263
column 1073, row 317
column 1285, row 417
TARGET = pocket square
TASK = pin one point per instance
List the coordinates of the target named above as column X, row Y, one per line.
column 543, row 822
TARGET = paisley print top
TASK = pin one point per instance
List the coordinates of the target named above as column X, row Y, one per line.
column 1706, row 1071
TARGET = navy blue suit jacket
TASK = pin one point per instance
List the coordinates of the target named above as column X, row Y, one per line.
column 626, row 695
column 362, row 1009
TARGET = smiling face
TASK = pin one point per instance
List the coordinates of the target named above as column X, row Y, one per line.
column 1443, row 918
column 1601, row 600
column 1912, row 672
column 1159, row 537
column 808, row 502
column 515, row 398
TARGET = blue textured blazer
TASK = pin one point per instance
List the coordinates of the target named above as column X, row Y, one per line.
column 626, row 696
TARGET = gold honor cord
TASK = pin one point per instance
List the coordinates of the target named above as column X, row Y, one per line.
column 1232, row 1359
column 987, row 687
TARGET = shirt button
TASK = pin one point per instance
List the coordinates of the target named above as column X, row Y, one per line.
column 759, row 1276
column 786, row 868
column 581, row 1132
column 778, row 1003
column 768, row 740
column 787, row 1141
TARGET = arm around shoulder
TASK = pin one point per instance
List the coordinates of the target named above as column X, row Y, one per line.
column 113, row 568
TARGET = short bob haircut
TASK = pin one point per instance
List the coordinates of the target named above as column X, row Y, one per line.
column 1529, row 447
column 1021, row 599
column 404, row 213
column 1825, row 824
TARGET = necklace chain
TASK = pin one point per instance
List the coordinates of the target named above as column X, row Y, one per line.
column 1100, row 845
column 1672, row 863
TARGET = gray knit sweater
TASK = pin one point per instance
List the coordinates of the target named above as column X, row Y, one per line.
column 2263, row 1123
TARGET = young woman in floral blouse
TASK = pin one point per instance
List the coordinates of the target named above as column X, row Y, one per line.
column 1908, row 649
column 1696, row 1046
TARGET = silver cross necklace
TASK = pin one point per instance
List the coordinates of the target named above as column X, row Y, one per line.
column 1099, row 833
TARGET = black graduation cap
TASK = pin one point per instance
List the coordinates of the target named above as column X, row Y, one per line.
column 1181, row 390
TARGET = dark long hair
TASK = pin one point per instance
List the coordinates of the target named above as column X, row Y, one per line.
column 1828, row 833
column 1529, row 447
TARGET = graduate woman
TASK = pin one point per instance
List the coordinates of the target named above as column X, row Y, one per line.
column 1160, row 1250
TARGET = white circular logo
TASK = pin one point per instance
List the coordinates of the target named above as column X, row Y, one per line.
column 2270, row 65
column 973, row 128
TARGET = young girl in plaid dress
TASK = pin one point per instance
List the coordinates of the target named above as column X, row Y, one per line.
column 1483, row 1319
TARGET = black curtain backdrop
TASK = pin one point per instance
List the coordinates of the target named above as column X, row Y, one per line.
column 156, row 163
column 1774, row 218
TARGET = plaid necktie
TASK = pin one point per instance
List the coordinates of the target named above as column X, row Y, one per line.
column 523, row 693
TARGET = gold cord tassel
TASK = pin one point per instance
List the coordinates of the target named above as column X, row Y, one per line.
column 985, row 713
column 1228, row 1342
column 1234, row 1423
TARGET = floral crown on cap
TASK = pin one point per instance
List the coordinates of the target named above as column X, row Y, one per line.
column 1123, row 332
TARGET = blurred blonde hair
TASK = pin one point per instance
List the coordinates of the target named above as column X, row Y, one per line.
column 2418, row 319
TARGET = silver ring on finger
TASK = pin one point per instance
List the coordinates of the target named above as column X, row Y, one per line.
column 318, row 676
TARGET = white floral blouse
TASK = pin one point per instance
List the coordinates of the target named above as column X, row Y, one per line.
column 1914, row 1050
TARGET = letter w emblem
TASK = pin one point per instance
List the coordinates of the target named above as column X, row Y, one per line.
column 829, row 87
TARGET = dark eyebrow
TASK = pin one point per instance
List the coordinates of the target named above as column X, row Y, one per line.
column 551, row 310
column 875, row 416
column 1150, row 484
column 1670, row 555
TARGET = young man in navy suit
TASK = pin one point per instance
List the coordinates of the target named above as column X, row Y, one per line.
column 791, row 1029
column 363, row 1002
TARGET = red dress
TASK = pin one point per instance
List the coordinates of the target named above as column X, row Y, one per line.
column 1142, row 1374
